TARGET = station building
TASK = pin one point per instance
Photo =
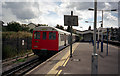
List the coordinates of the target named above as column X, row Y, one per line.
column 87, row 35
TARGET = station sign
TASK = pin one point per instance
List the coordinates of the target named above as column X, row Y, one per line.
column 70, row 20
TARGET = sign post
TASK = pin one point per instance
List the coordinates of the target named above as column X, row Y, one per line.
column 70, row 20
column 94, row 66
column 71, row 37
column 107, row 41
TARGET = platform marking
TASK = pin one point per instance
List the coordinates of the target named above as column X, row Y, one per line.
column 62, row 62
column 59, row 72
column 66, row 61
column 45, row 62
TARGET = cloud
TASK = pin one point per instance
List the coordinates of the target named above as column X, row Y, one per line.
column 52, row 13
column 0, row 11
column 23, row 10
column 8, row 16
column 119, row 14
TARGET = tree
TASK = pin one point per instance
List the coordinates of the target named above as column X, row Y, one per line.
column 89, row 28
column 24, row 29
column 14, row 26
column 42, row 25
column 60, row 27
column 68, row 29
column 31, row 30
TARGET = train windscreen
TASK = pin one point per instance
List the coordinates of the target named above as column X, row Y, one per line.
column 44, row 35
column 36, row 35
column 52, row 35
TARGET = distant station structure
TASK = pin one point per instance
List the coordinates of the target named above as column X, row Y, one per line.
column 87, row 35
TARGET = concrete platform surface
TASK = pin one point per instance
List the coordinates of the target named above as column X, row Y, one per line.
column 80, row 63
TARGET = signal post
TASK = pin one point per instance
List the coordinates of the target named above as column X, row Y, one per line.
column 70, row 20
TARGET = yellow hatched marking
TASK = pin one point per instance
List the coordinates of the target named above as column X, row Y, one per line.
column 62, row 62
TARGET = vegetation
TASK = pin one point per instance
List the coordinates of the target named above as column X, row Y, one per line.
column 20, row 60
column 42, row 25
column 19, row 34
column 89, row 28
column 8, row 52
column 60, row 27
column 68, row 29
column 15, row 26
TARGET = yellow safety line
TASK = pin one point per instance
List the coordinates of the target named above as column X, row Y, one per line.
column 63, row 62
column 59, row 73
column 66, row 61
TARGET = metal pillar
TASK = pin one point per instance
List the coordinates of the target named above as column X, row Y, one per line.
column 107, row 41
column 95, row 23
column 94, row 66
column 71, row 37
column 102, row 34
column 98, row 39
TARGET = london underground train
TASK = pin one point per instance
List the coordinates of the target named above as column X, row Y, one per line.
column 48, row 39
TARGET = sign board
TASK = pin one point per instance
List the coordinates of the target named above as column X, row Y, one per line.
column 68, row 20
column 23, row 42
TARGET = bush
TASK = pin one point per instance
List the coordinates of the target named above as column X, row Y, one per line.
column 14, row 26
column 8, row 52
column 19, row 34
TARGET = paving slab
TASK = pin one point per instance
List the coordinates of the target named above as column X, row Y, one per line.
column 80, row 63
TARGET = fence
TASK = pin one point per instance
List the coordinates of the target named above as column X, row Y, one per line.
column 15, row 46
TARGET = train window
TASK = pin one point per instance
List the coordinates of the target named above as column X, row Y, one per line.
column 52, row 35
column 62, row 37
column 36, row 35
column 44, row 35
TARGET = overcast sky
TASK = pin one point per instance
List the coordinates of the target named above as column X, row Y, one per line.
column 52, row 13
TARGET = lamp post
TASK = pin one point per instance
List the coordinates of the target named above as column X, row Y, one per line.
column 81, row 34
column 102, row 25
column 94, row 61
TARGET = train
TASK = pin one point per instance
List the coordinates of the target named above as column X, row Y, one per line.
column 46, row 40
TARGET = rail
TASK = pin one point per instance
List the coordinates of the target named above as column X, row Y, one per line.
column 23, row 68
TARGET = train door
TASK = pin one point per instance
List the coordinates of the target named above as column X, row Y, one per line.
column 36, row 39
column 64, row 39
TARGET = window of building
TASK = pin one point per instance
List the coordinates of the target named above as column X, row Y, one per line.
column 52, row 35
column 36, row 35
column 44, row 35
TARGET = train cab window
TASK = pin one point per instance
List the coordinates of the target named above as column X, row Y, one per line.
column 52, row 35
column 36, row 35
column 44, row 35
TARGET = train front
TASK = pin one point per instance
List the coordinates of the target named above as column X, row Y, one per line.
column 44, row 40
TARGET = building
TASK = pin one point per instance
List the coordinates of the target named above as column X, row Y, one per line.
column 113, row 34
column 86, row 35
column 1, row 23
column 119, row 34
column 31, row 25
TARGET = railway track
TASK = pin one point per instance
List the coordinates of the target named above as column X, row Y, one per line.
column 23, row 68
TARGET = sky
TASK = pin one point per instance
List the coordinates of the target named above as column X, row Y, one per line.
column 52, row 12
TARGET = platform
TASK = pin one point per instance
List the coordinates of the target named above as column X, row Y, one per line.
column 80, row 63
